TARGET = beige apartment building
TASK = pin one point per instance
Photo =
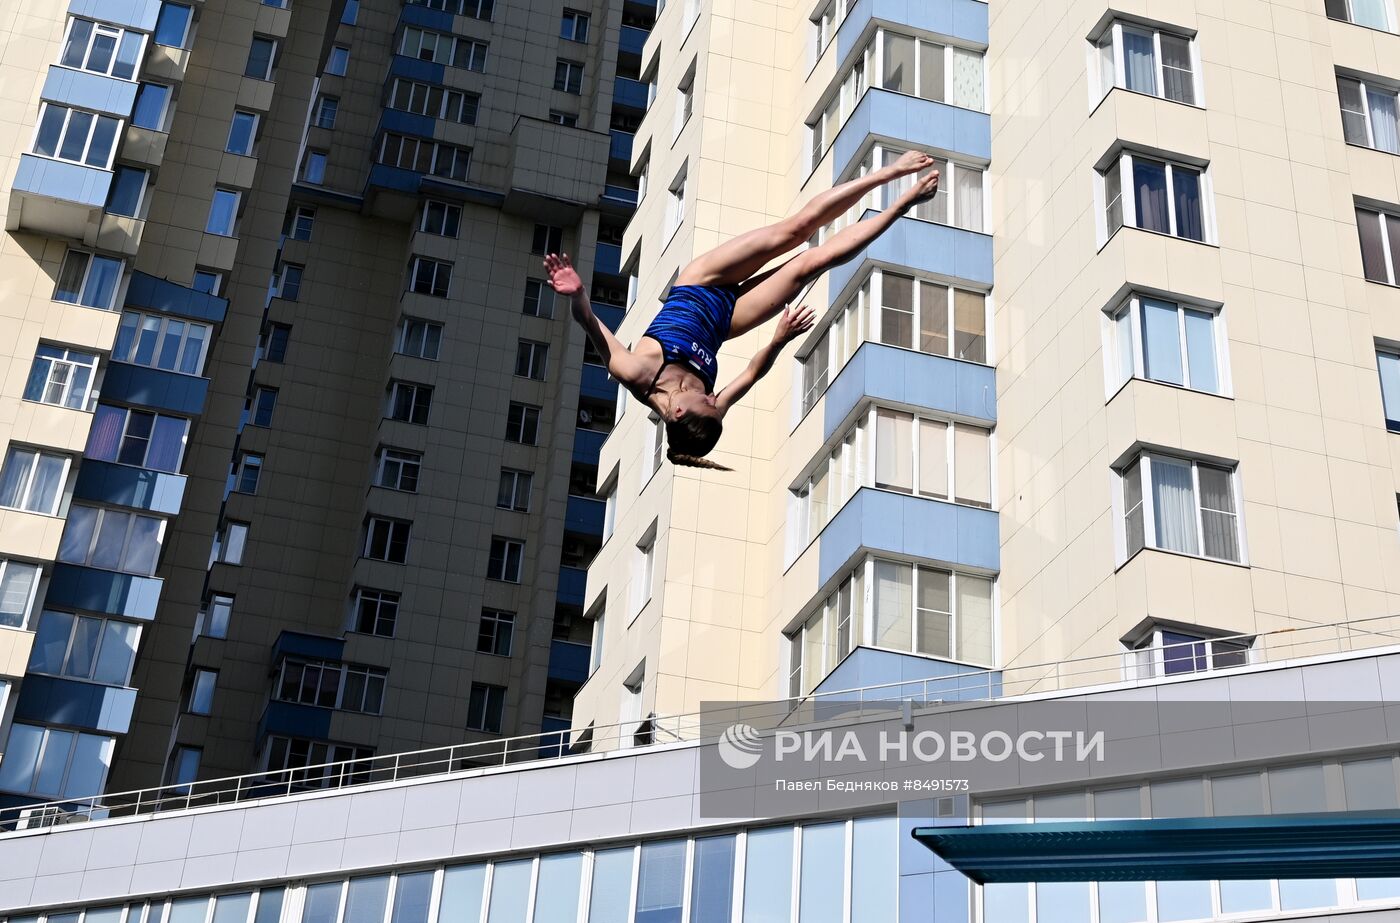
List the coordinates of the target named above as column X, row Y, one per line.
column 299, row 450
column 1118, row 404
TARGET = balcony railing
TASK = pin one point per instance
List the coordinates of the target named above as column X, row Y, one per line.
column 1276, row 647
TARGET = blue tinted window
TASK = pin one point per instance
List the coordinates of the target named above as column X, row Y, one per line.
column 150, row 106
column 173, row 25
column 127, row 186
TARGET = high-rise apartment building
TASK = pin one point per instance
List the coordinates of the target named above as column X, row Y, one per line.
column 299, row 460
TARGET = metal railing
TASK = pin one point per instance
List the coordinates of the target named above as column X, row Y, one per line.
column 1120, row 667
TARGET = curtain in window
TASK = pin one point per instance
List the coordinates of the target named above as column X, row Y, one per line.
column 1139, row 64
column 1368, row 224
column 83, row 651
column 77, row 534
column 1174, row 506
column 894, row 451
column 967, row 80
column 933, row 459
column 51, row 642
column 1190, row 215
column 16, row 588
column 1107, row 77
column 933, row 319
column 1150, row 195
column 105, row 437
column 144, row 546
column 899, row 63
column 1218, row 521
column 1370, row 13
column 972, row 461
column 968, row 195
column 48, row 483
column 931, row 80
column 111, row 536
column 934, row 613
column 1161, row 341
column 660, row 882
column 18, row 465
column 974, row 619
column 21, row 753
column 970, row 326
column 167, row 444
column 935, row 209
column 897, row 318
column 1383, row 120
column 118, row 651
column 1176, row 69
column 1200, row 351
column 894, row 605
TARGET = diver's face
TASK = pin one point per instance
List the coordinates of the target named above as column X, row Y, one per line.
column 692, row 403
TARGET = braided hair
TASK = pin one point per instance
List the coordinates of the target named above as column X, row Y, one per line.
column 691, row 438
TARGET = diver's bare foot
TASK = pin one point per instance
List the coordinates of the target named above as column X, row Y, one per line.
column 924, row 189
column 909, row 162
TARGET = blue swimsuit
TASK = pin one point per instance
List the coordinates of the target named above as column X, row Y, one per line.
column 692, row 326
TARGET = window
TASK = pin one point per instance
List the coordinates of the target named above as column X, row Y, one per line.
column 137, row 437
column 264, row 402
column 827, row 636
column 206, row 281
column 331, row 685
column 1389, row 365
column 102, row 49
column 184, row 766
column 76, row 135
column 289, row 754
column 685, row 99
column 1168, row 342
column 918, row 314
column 53, row 763
column 1368, row 114
column 241, row 133
column 128, row 192
column 275, row 341
column 496, row 633
column 386, row 540
column 338, row 61
column 223, row 213
column 300, row 223
column 1146, row 60
column 18, row 581
column 201, row 700
column 595, row 653
column 313, row 167
column 162, row 342
column 568, row 76
column 152, row 106
column 1168, row 198
column 399, row 470
column 825, row 23
column 523, row 424
column 247, row 473
column 429, row 277
column 213, row 620
column 1171, row 650
column 1175, row 504
column 547, row 239
column 230, row 543
column 574, row 26
column 410, row 402
column 326, row 110
column 471, row 55
column 1380, row 245
column 289, row 282
column 960, row 201
column 531, row 359
column 83, row 647
column 435, row 101
column 262, row 55
column 173, row 25
column 675, row 204
column 88, row 279
column 376, row 612
column 486, row 708
column 507, row 555
column 1374, row 14
column 441, row 218
column 476, row 9
column 419, row 338
column 514, row 490
column 33, row 480
column 111, row 539
column 567, row 119
column 62, row 377
column 350, row 13
column 643, row 570
column 654, row 449
column 609, row 493
column 539, row 299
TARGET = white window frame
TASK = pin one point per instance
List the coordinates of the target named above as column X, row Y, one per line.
column 403, row 342
column 133, row 518
column 685, row 101
column 420, row 393
column 337, row 61
column 38, row 571
column 536, row 357
column 675, row 202
column 313, row 167
column 1112, row 38
column 163, row 323
column 203, row 685
column 118, row 35
column 573, row 76
column 1366, row 86
column 644, row 570
column 248, row 462
column 391, row 525
column 207, row 623
column 91, row 258
column 27, row 488
column 448, row 210
column 48, row 733
column 507, row 545
column 569, row 25
column 1146, row 656
column 397, row 462
column 609, row 492
column 271, row 58
column 252, row 133
column 382, row 598
column 304, row 215
column 82, row 159
column 227, row 550
column 543, row 300
column 88, row 399
column 1124, row 162
column 321, row 103
column 882, row 198
column 231, row 230
column 516, row 477
column 102, row 640
column 1136, row 346
column 128, row 413
column 497, row 618
column 437, row 269
column 1143, row 461
column 1390, row 23
column 1392, row 260
column 525, row 410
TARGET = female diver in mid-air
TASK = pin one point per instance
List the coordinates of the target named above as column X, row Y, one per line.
column 672, row 369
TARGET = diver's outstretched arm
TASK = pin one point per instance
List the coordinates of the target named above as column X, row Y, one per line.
column 564, row 279
column 793, row 323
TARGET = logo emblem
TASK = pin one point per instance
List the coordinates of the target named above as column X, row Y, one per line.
column 740, row 746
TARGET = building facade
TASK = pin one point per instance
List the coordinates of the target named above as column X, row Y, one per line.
column 300, row 451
